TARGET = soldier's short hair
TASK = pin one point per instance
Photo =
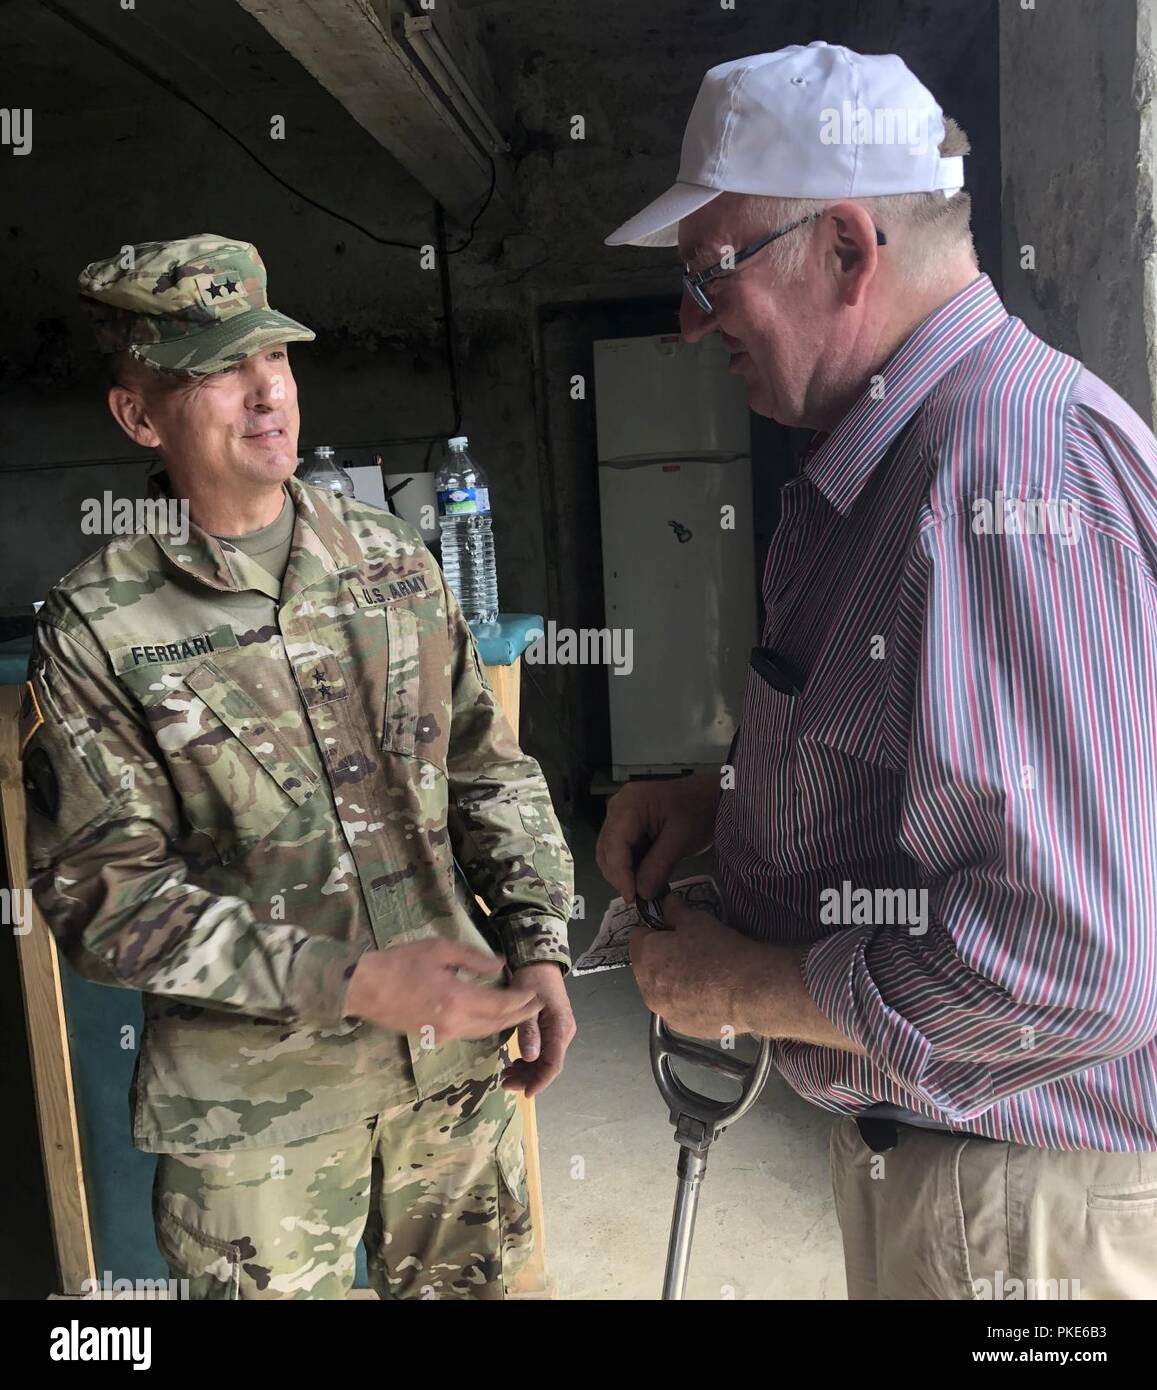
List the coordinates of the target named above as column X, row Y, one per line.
column 125, row 370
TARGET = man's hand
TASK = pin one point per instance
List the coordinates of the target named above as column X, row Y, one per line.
column 542, row 1040
column 703, row 977
column 690, row 976
column 415, row 986
column 669, row 820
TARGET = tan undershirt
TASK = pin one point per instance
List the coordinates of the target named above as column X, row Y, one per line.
column 270, row 545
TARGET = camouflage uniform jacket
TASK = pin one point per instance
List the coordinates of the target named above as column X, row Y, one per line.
column 226, row 815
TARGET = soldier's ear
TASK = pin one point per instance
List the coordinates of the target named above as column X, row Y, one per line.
column 131, row 412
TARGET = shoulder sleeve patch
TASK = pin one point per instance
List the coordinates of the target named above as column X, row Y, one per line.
column 31, row 716
column 41, row 785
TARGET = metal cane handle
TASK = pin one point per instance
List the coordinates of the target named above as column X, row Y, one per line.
column 682, row 1100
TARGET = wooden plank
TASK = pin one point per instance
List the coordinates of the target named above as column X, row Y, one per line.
column 345, row 45
column 532, row 1281
column 47, row 1033
column 506, row 682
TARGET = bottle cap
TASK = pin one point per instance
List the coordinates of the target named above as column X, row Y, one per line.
column 459, row 441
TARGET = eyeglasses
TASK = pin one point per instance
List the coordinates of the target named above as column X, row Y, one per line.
column 693, row 282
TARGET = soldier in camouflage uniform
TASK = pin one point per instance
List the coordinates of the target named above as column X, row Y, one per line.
column 266, row 776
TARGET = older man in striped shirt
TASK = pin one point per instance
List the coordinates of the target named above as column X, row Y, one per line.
column 936, row 834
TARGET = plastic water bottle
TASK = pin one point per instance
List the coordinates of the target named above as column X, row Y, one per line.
column 323, row 470
column 467, row 539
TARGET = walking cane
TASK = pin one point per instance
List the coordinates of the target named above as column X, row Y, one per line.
column 699, row 1120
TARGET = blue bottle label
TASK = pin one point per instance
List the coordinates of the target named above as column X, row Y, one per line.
column 463, row 501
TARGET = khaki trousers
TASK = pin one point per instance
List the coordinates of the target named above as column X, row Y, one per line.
column 944, row 1217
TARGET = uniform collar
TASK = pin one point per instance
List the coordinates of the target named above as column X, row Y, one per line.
column 842, row 461
column 322, row 544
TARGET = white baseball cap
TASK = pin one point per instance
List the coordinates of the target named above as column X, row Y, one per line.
column 803, row 122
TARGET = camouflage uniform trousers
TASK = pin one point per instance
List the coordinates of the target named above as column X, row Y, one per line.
column 437, row 1189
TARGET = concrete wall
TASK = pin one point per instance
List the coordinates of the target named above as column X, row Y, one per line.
column 1078, row 152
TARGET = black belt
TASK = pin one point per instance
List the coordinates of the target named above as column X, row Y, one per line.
column 882, row 1135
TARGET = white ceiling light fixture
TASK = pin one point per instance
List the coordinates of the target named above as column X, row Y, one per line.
column 449, row 82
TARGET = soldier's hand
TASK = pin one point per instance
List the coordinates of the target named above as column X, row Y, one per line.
column 415, row 986
column 656, row 824
column 542, row 1041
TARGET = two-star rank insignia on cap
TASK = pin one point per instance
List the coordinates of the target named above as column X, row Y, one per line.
column 222, row 288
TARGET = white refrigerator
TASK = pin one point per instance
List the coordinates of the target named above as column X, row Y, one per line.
column 678, row 548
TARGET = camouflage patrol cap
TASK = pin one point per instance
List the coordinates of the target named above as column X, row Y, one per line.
column 191, row 307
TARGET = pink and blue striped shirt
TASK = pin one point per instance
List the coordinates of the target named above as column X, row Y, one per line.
column 965, row 579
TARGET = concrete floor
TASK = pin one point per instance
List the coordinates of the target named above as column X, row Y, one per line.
column 766, row 1226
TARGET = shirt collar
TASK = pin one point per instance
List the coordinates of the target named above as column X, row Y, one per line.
column 844, row 460
column 322, row 544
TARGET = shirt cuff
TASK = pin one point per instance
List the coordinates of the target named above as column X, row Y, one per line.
column 533, row 940
column 837, row 976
